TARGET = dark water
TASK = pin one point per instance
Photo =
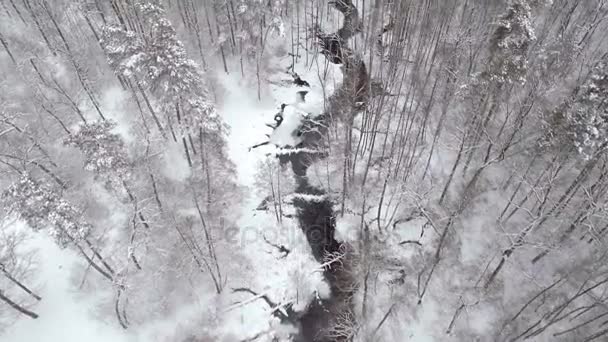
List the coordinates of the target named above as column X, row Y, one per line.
column 317, row 221
column 317, row 218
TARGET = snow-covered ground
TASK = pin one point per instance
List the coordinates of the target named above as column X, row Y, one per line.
column 65, row 314
column 290, row 280
column 284, row 135
column 247, row 119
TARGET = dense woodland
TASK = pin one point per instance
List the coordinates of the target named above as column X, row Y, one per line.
column 447, row 180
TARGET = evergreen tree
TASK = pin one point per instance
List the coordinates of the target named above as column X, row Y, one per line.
column 44, row 209
column 158, row 59
column 509, row 44
column 582, row 121
column 104, row 151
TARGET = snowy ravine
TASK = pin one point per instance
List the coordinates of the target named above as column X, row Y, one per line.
column 326, row 318
column 314, row 213
column 290, row 281
column 315, row 316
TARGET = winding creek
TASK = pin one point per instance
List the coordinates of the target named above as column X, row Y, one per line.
column 317, row 218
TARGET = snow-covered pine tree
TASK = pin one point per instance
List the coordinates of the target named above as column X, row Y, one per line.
column 174, row 78
column 44, row 209
column 582, row 121
column 104, row 151
column 509, row 45
column 124, row 50
column 158, row 61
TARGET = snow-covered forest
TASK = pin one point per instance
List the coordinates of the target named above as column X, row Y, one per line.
column 303, row 170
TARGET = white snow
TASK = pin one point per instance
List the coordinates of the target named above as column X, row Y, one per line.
column 113, row 103
column 309, row 197
column 290, row 279
column 66, row 315
column 70, row 314
column 288, row 151
column 285, row 134
column 176, row 164
column 347, row 228
column 247, row 119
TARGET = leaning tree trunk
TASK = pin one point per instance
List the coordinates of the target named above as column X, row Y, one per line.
column 17, row 307
column 18, row 283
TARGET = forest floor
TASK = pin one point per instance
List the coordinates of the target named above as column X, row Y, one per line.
column 62, row 304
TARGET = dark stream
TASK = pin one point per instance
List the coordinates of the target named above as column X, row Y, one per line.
column 317, row 221
column 317, row 218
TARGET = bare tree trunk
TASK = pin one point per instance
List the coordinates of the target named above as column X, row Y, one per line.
column 17, row 11
column 205, row 8
column 156, row 195
column 210, row 248
column 5, row 44
column 186, row 151
column 197, row 31
column 121, row 320
column 17, row 307
column 205, row 164
column 39, row 26
column 18, row 283
column 233, row 24
column 217, row 28
column 151, row 109
column 72, row 59
column 102, row 259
